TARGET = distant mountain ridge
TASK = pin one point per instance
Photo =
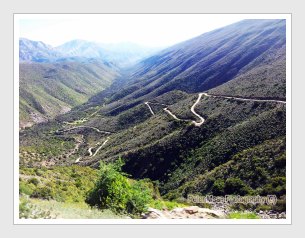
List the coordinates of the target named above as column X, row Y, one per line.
column 36, row 51
column 121, row 54
column 55, row 79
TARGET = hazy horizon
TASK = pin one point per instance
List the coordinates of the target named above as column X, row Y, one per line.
column 150, row 30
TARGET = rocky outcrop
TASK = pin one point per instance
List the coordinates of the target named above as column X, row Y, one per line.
column 192, row 212
column 195, row 212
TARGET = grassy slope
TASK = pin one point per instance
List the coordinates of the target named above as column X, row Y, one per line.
column 47, row 90
column 60, row 192
column 60, row 210
column 237, row 139
column 64, row 184
column 261, row 169
column 221, row 135
column 267, row 80
column 173, row 152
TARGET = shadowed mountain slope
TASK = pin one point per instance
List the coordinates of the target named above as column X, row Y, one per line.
column 248, row 50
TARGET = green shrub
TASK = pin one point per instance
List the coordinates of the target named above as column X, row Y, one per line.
column 25, row 188
column 218, row 187
column 43, row 191
column 139, row 198
column 276, row 186
column 236, row 186
column 115, row 191
column 34, row 181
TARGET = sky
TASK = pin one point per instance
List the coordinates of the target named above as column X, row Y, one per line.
column 152, row 30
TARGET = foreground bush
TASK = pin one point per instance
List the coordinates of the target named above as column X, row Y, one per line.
column 115, row 191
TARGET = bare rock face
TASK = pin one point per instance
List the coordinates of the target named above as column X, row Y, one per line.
column 192, row 212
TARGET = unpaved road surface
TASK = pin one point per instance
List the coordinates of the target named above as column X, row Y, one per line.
column 149, row 107
column 100, row 147
column 201, row 119
column 195, row 113
column 244, row 99
column 171, row 114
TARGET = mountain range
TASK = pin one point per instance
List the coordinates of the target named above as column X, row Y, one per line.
column 250, row 51
column 55, row 79
column 120, row 54
column 205, row 116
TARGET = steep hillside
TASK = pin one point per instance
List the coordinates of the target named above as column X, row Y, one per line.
column 49, row 89
column 54, row 80
column 248, row 50
column 267, row 79
column 206, row 116
column 171, row 149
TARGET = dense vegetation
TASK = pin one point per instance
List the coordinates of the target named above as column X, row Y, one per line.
column 63, row 184
column 240, row 149
column 178, row 155
column 58, row 192
column 67, row 188
column 259, row 170
column 49, row 89
column 115, row 191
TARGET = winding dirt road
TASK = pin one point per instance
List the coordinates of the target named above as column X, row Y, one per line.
column 195, row 113
column 149, row 107
column 244, row 99
column 90, row 151
column 79, row 141
column 77, row 160
column 172, row 114
column 100, row 147
column 201, row 119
